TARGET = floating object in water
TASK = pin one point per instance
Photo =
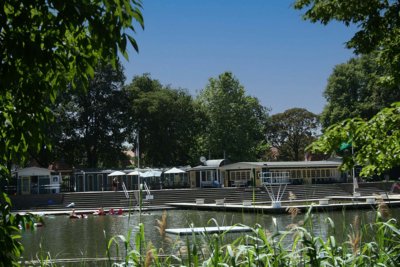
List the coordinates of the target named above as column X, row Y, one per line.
column 99, row 212
column 77, row 216
column 73, row 215
column 200, row 230
column 115, row 212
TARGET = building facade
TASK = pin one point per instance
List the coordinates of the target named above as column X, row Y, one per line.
column 290, row 172
column 212, row 173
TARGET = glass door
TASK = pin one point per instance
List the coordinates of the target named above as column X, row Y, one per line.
column 25, row 185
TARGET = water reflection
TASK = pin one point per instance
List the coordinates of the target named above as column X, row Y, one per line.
column 79, row 238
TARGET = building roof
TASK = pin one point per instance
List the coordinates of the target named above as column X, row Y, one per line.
column 33, row 171
column 210, row 164
column 242, row 165
column 202, row 167
column 283, row 164
column 304, row 164
column 215, row 162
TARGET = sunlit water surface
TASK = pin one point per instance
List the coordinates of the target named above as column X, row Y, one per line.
column 64, row 238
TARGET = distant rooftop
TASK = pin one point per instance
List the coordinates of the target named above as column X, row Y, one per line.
column 211, row 164
column 284, row 164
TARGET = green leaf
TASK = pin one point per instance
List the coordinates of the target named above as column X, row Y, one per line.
column 133, row 43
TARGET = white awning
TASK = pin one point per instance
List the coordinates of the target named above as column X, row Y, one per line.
column 33, row 171
column 151, row 173
column 174, row 170
column 117, row 173
column 134, row 173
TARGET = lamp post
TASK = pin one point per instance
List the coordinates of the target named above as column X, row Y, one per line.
column 355, row 184
column 138, row 150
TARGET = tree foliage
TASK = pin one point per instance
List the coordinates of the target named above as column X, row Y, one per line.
column 166, row 120
column 377, row 22
column 375, row 142
column 291, row 132
column 46, row 45
column 91, row 124
column 354, row 89
column 236, row 121
column 378, row 26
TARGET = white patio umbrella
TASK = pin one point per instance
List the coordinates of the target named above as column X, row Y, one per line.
column 116, row 173
column 115, row 182
column 175, row 170
column 134, row 173
column 151, row 173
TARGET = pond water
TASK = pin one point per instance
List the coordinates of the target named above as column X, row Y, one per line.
column 65, row 238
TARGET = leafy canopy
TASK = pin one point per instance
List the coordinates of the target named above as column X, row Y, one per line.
column 92, row 124
column 291, row 131
column 377, row 22
column 45, row 47
column 166, row 119
column 375, row 142
column 355, row 89
column 236, row 121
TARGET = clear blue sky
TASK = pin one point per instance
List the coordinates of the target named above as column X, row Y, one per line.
column 279, row 58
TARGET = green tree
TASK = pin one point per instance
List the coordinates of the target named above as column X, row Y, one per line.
column 354, row 90
column 166, row 120
column 291, row 132
column 375, row 142
column 92, row 123
column 377, row 22
column 236, row 122
column 378, row 31
column 46, row 45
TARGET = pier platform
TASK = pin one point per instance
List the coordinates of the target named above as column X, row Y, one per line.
column 210, row 230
